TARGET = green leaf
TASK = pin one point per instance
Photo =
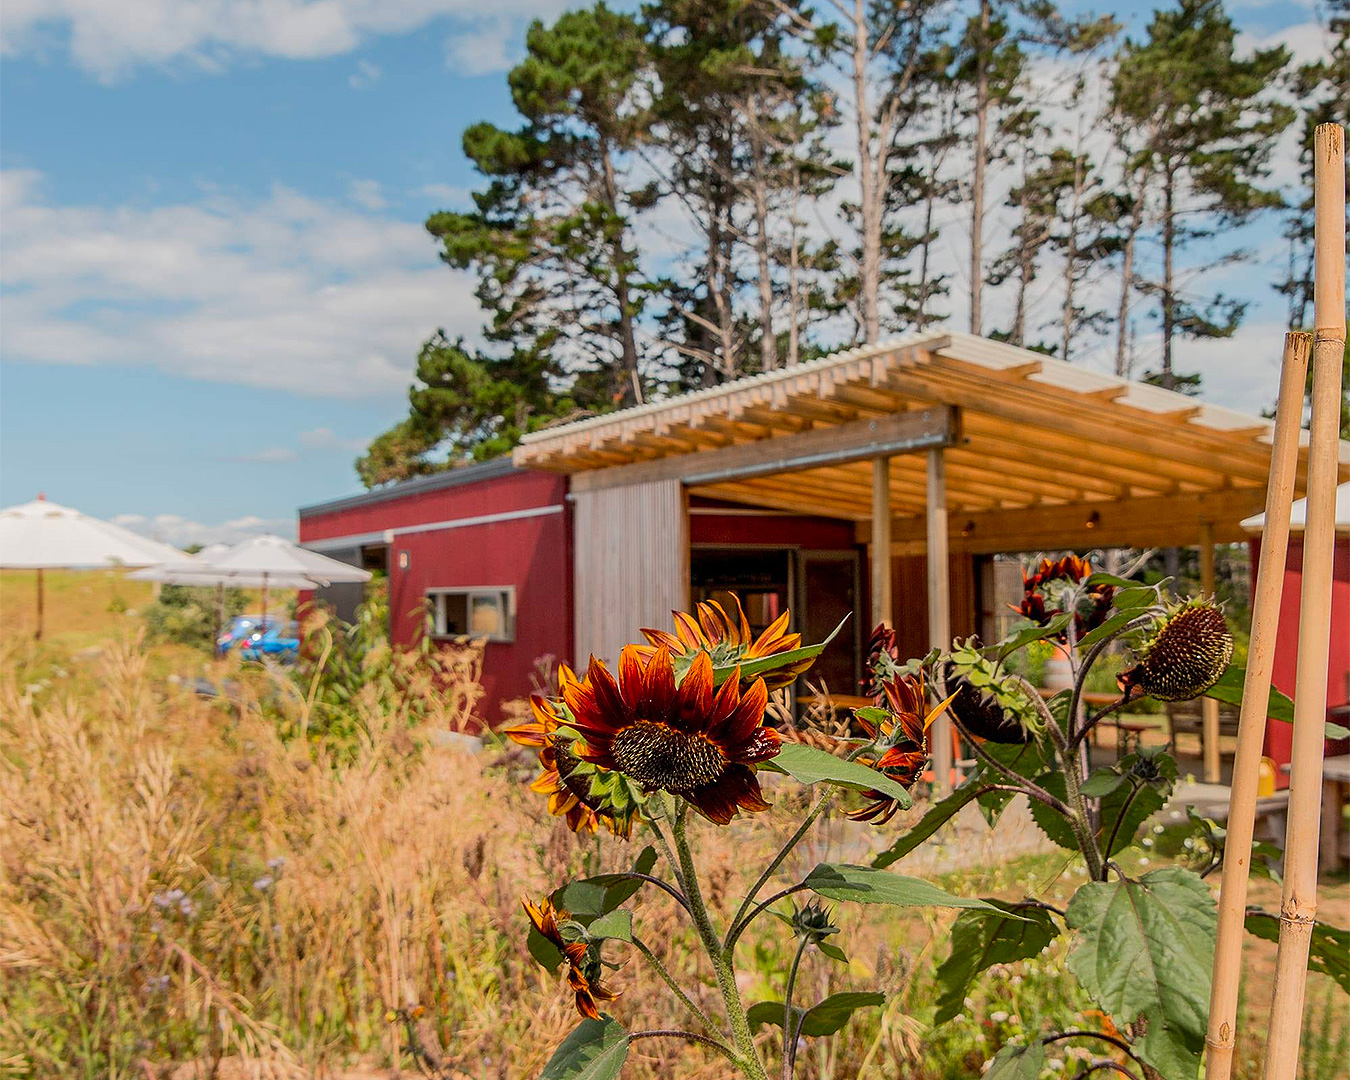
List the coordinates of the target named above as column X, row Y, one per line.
column 1135, row 597
column 544, row 951
column 1137, row 800
column 1114, row 623
column 1102, row 782
column 865, row 885
column 872, row 714
column 1103, row 578
column 589, row 898
column 1229, row 690
column 823, row 1018
column 596, row 1050
column 614, row 925
column 1018, row 1062
column 938, row 815
column 808, row 765
column 1337, row 731
column 751, row 668
column 1028, row 634
column 981, row 939
column 1328, row 952
column 834, row 952
column 1144, row 948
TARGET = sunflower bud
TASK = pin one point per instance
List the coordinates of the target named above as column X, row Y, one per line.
column 1185, row 657
column 813, row 922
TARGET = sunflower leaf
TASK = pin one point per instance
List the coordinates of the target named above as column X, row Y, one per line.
column 1101, row 577
column 834, row 952
column 586, row 900
column 824, row 1018
column 1028, row 634
column 1113, row 624
column 1144, row 948
column 1018, row 1062
column 596, row 1050
column 1229, row 690
column 807, row 765
column 981, row 939
column 1328, row 953
column 548, row 955
column 866, row 885
column 938, row 815
column 765, row 664
column 612, row 926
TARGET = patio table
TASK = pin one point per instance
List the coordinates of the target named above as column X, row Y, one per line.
column 1335, row 843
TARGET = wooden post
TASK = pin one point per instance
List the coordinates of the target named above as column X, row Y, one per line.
column 882, row 601
column 1298, row 904
column 1209, row 708
column 1222, row 1033
column 37, row 634
column 939, row 603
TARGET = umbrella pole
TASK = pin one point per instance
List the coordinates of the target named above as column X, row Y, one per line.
column 1298, row 904
column 1252, row 721
column 220, row 608
column 264, row 595
column 37, row 634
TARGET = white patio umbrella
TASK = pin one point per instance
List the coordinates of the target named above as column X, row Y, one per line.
column 274, row 562
column 42, row 535
column 1298, row 514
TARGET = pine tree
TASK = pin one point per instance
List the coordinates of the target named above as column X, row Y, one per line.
column 1199, row 124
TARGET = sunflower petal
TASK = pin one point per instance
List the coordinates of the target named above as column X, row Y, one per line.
column 763, row 645
column 659, row 696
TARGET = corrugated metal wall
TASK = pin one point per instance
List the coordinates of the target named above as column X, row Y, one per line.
column 632, row 564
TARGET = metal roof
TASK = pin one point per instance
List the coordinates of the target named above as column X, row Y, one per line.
column 420, row 485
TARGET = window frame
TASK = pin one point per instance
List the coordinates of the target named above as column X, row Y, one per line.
column 498, row 593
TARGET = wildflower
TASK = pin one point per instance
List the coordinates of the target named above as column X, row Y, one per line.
column 263, row 883
column 1187, row 654
column 165, row 900
column 276, row 863
column 727, row 639
column 902, row 737
column 693, row 741
column 1040, row 603
column 583, row 961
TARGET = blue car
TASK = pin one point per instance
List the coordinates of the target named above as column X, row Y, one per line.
column 242, row 630
column 280, row 643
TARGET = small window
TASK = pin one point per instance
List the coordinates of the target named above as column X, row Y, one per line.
column 483, row 613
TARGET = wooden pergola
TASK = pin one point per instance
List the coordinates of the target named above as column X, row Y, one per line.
column 932, row 444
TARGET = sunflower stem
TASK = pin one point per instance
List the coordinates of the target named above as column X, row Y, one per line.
column 712, row 945
column 789, row 1028
column 675, row 988
column 777, row 860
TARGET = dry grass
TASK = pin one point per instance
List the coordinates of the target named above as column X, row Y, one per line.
column 182, row 887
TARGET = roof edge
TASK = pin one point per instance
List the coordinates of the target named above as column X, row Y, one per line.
column 448, row 478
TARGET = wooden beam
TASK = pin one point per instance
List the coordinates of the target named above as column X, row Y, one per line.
column 938, row 566
column 1209, row 708
column 854, row 441
column 880, row 549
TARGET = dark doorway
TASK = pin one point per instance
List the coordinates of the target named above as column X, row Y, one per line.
column 761, row 577
column 829, row 594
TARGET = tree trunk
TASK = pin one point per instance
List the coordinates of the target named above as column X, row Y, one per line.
column 977, row 183
column 794, row 293
column 925, row 247
column 1168, row 301
column 868, row 182
column 768, row 345
column 1071, row 260
column 1127, row 279
column 629, row 388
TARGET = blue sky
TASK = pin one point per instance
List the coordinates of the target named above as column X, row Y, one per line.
column 215, row 278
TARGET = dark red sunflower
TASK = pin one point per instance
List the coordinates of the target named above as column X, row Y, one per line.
column 727, row 637
column 565, row 800
column 903, row 740
column 1093, row 610
column 583, row 961
column 883, row 661
column 691, row 740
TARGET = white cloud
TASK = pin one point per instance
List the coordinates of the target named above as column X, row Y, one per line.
column 481, row 50
column 285, row 292
column 324, row 438
column 367, row 194
column 110, row 38
column 180, row 531
column 366, row 75
column 447, row 194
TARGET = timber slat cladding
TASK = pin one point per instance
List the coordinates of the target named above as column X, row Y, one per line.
column 632, row 563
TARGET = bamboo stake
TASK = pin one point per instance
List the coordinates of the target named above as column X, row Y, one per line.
column 1221, row 1036
column 1298, row 906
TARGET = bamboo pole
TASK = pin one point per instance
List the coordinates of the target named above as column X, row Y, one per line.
column 882, row 600
column 1209, row 708
column 938, row 569
column 1298, row 905
column 1221, row 1036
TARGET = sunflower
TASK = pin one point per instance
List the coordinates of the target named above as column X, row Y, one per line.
column 1185, row 656
column 692, row 741
column 1093, row 608
column 727, row 638
column 575, row 791
column 583, row 962
column 902, row 738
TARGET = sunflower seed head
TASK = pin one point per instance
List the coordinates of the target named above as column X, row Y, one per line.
column 1186, row 655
